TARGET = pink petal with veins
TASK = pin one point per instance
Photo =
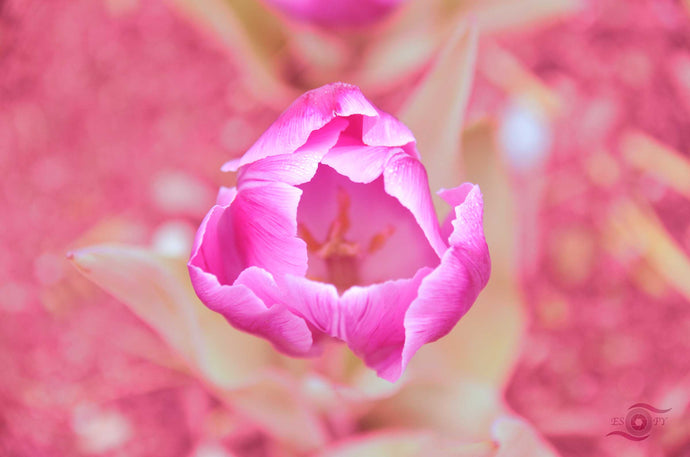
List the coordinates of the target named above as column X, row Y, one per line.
column 225, row 284
column 299, row 166
column 448, row 292
column 309, row 113
column 405, row 178
column 374, row 322
column 316, row 302
column 263, row 219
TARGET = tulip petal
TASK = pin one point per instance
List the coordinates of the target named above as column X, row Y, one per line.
column 256, row 226
column 263, row 220
column 364, row 216
column 300, row 166
column 385, row 130
column 210, row 239
column 360, row 163
column 448, row 292
column 316, row 302
column 217, row 279
column 309, row 113
column 245, row 311
column 405, row 179
column 373, row 322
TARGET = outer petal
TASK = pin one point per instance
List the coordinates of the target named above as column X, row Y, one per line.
column 245, row 298
column 385, row 130
column 362, row 164
column 300, row 166
column 316, row 302
column 245, row 311
column 263, row 218
column 310, row 112
column 208, row 251
column 373, row 319
column 448, row 292
column 405, row 179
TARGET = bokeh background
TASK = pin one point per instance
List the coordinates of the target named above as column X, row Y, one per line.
column 115, row 116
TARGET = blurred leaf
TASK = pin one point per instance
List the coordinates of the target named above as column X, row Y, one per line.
column 499, row 309
column 237, row 366
column 158, row 290
column 253, row 36
column 516, row 438
column 510, row 437
column 500, row 15
column 421, row 27
column 318, row 57
column 467, row 351
column 406, row 444
column 637, row 227
column 451, row 406
column 276, row 403
column 507, row 72
column 434, row 112
column 663, row 163
column 403, row 47
column 456, row 384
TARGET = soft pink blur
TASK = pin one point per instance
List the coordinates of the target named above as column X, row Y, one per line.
column 116, row 115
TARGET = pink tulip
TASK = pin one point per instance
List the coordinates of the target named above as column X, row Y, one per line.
column 331, row 232
column 347, row 13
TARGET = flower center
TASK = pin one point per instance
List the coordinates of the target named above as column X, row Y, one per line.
column 340, row 255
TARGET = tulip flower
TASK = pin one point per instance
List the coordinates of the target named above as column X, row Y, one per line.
column 331, row 232
column 351, row 13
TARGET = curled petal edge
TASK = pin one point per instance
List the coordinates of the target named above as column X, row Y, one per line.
column 440, row 297
column 251, row 303
column 449, row 291
column 309, row 113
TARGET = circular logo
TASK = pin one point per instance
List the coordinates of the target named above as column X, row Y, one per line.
column 638, row 422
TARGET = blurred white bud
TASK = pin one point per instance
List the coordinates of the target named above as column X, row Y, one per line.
column 173, row 238
column 100, row 431
column 524, row 135
column 210, row 449
column 177, row 192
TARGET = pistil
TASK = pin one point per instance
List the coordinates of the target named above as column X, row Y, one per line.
column 342, row 256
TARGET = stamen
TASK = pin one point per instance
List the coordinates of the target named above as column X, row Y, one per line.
column 342, row 257
column 304, row 233
column 379, row 240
